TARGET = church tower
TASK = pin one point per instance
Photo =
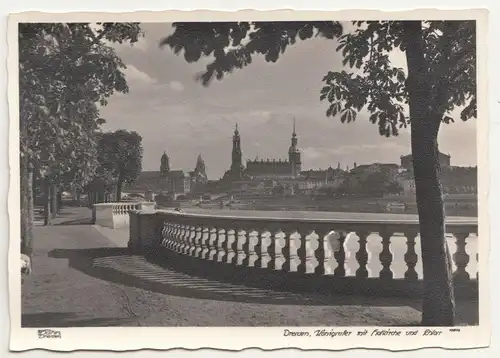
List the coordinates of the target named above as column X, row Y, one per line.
column 200, row 170
column 164, row 166
column 294, row 154
column 236, row 164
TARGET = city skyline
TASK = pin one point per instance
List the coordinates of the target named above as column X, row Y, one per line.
column 263, row 98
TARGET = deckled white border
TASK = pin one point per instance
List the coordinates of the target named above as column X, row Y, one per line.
column 264, row 338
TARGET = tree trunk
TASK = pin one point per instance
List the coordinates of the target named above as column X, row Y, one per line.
column 59, row 201
column 47, row 218
column 101, row 196
column 438, row 300
column 27, row 207
column 119, row 187
column 34, row 185
column 53, row 201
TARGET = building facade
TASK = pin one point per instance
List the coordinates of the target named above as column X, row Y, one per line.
column 270, row 168
column 198, row 177
column 407, row 161
column 175, row 182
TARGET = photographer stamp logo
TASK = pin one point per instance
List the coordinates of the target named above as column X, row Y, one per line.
column 48, row 333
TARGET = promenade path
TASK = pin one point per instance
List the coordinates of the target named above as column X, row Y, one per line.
column 85, row 276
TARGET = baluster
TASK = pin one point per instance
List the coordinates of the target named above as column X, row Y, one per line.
column 339, row 256
column 196, row 250
column 190, row 240
column 286, row 249
column 195, row 240
column 163, row 234
column 271, row 250
column 193, row 235
column 177, row 238
column 279, row 258
column 222, row 252
column 168, row 235
column 477, row 266
column 461, row 258
column 187, row 239
column 232, row 246
column 295, row 244
column 411, row 257
column 212, row 244
column 230, row 235
column 173, row 236
column 386, row 255
column 205, row 237
column 302, row 250
column 362, row 255
column 319, row 252
column 184, row 238
column 248, row 248
column 259, row 248
column 241, row 238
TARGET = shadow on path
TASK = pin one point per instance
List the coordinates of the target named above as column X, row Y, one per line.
column 117, row 265
column 191, row 278
column 79, row 221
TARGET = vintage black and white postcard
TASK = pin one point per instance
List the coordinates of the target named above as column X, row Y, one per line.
column 314, row 180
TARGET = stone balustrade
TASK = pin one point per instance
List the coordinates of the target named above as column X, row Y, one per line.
column 116, row 215
column 345, row 256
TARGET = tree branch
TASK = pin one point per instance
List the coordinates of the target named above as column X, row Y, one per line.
column 441, row 82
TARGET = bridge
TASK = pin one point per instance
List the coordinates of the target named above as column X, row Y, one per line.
column 163, row 268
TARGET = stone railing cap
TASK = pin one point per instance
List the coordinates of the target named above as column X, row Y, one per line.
column 320, row 217
column 122, row 203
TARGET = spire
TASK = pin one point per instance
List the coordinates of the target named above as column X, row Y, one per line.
column 236, row 129
column 293, row 146
column 164, row 164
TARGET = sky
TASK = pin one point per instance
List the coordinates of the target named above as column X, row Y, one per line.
column 174, row 113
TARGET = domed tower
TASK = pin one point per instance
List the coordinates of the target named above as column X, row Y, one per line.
column 294, row 154
column 164, row 166
column 236, row 164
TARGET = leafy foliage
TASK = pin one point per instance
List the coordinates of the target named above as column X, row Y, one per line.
column 375, row 83
column 66, row 70
column 120, row 157
column 232, row 44
column 381, row 88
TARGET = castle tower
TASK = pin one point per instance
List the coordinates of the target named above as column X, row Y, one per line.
column 294, row 154
column 236, row 164
column 164, row 165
